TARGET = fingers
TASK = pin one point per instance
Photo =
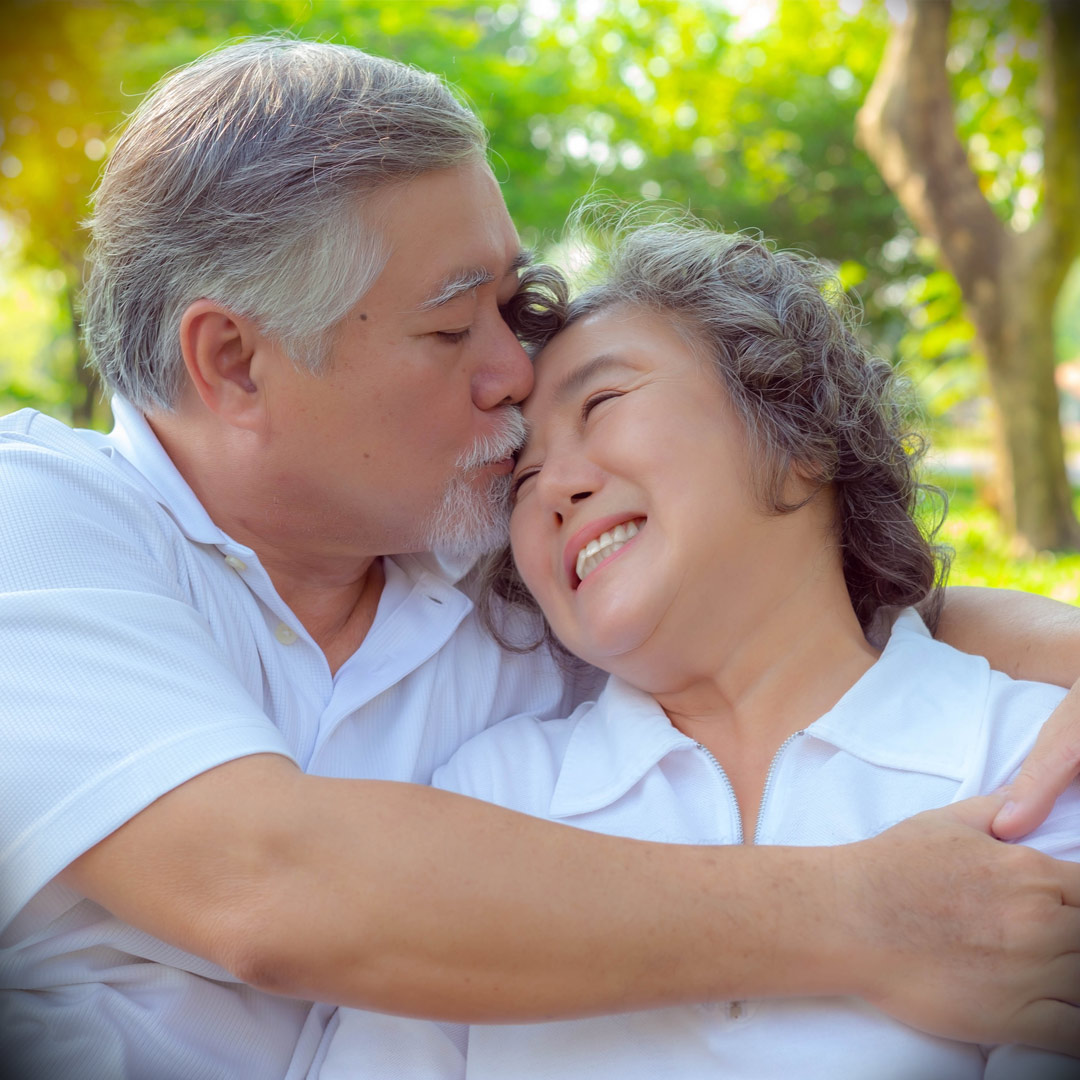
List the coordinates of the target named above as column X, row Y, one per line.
column 1050, row 1025
column 1068, row 877
column 1053, row 762
column 977, row 812
column 1059, row 979
column 1026, row 1063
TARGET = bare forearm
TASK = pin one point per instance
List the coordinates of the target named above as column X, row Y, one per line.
column 482, row 915
column 412, row 900
column 1024, row 635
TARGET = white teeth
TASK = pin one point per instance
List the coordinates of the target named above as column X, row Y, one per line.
column 604, row 546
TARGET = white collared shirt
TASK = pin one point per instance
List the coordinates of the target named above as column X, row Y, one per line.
column 140, row 646
column 924, row 727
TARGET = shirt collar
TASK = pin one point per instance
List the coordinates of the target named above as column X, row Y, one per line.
column 613, row 745
column 134, row 440
column 917, row 709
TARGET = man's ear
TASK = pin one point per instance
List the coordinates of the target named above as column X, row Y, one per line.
column 219, row 350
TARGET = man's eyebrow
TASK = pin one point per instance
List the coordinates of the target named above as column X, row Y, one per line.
column 577, row 379
column 453, row 285
column 465, row 280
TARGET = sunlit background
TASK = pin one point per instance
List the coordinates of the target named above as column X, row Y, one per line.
column 744, row 111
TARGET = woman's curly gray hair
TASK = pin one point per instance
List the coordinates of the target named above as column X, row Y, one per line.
column 779, row 330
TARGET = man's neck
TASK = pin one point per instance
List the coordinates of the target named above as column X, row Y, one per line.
column 334, row 594
column 337, row 613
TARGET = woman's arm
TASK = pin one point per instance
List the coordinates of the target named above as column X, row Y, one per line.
column 1028, row 637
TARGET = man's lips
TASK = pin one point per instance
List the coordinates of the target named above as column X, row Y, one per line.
column 503, row 466
column 593, row 531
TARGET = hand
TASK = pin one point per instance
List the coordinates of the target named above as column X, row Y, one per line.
column 965, row 937
column 1050, row 767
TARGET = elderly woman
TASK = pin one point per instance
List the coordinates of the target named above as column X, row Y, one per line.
column 717, row 505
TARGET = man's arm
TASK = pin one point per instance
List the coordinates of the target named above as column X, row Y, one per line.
column 1027, row 637
column 409, row 899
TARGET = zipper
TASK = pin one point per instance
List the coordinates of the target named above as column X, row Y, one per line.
column 735, row 1009
column 730, row 790
column 769, row 776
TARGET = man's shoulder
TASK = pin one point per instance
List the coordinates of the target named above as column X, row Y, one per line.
column 515, row 763
column 47, row 451
column 71, row 511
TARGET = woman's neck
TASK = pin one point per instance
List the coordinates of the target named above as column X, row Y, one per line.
column 791, row 666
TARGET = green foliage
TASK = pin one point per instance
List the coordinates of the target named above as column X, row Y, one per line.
column 749, row 125
column 985, row 556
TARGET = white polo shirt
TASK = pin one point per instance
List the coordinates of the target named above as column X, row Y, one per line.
column 925, row 726
column 139, row 647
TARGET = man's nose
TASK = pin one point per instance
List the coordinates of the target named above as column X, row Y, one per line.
column 506, row 375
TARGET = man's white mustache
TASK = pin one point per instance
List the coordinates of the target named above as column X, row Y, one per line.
column 500, row 444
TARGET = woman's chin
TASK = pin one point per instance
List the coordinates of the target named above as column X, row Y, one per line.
column 611, row 644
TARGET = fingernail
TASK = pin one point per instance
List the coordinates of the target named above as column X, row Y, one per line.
column 1006, row 811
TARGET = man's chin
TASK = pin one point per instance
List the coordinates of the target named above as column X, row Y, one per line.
column 472, row 520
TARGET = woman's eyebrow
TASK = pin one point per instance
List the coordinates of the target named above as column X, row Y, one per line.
column 573, row 383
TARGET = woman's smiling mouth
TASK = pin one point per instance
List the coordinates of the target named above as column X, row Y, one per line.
column 597, row 551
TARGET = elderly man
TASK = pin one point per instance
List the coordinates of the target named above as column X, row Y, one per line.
column 223, row 688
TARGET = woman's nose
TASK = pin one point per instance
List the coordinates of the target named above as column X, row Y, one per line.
column 566, row 481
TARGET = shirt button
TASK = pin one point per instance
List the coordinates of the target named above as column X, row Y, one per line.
column 237, row 564
column 285, row 634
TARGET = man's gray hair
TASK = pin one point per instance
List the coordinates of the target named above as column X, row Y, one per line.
column 240, row 178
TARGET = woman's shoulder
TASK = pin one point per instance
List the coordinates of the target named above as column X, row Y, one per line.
column 515, row 763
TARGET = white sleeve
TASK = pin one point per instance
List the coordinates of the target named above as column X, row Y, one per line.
column 514, row 764
column 112, row 689
column 1027, row 1063
column 360, row 1044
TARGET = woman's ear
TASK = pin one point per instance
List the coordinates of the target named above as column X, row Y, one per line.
column 804, row 479
column 219, row 350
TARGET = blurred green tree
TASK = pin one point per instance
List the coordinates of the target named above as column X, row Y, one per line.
column 1009, row 272
column 749, row 121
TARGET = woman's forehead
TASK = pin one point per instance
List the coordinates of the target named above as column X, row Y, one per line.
column 599, row 343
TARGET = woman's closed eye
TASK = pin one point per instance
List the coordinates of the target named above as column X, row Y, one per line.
column 520, row 478
column 598, row 398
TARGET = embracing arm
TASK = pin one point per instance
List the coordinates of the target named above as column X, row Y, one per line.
column 413, row 900
column 1027, row 637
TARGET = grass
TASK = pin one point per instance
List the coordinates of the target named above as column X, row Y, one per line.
column 985, row 556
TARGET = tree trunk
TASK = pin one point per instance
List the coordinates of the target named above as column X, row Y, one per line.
column 1021, row 370
column 1009, row 282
